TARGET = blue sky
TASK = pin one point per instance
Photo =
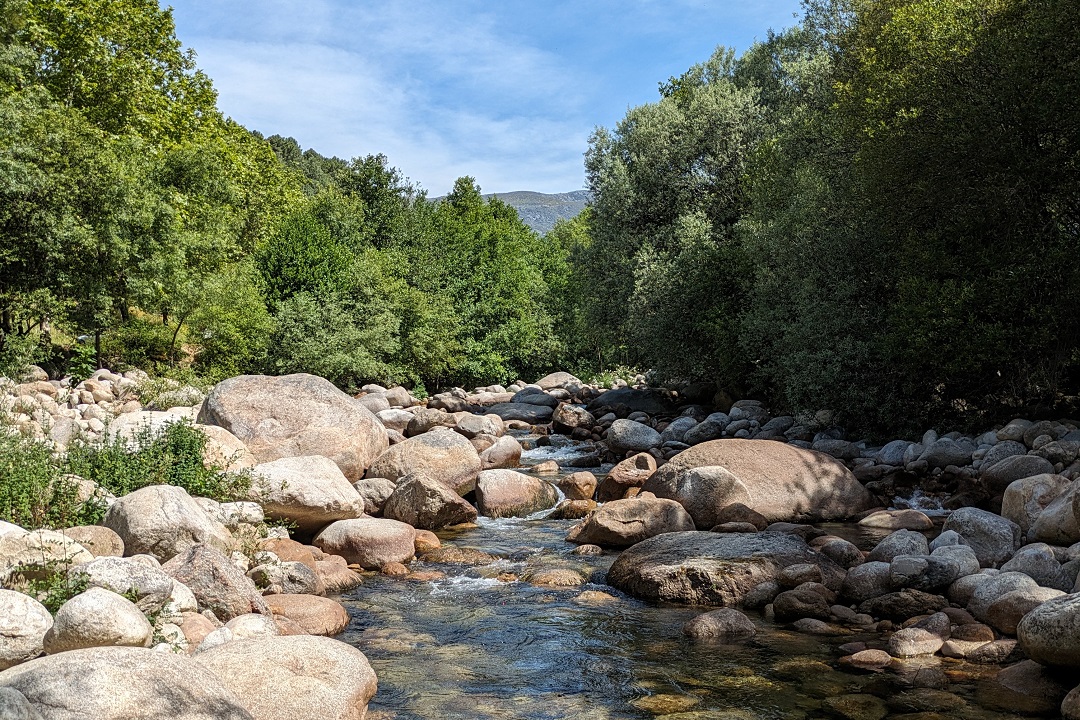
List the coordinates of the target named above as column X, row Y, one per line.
column 505, row 91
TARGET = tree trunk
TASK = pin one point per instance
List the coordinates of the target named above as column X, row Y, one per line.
column 97, row 348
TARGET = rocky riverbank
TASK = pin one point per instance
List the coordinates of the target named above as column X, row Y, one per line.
column 704, row 509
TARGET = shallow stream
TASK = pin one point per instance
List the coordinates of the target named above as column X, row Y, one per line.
column 456, row 641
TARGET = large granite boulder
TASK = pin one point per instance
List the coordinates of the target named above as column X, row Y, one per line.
column 1059, row 522
column 622, row 523
column 993, row 538
column 1025, row 499
column 37, row 553
column 309, row 491
column 704, row 568
column 426, row 503
column 163, row 521
column 368, row 542
column 1050, row 633
column 98, row 618
column 217, row 583
column 784, row 482
column 705, row 492
column 624, row 435
column 508, row 493
column 296, row 677
column 23, row 624
column 147, row 586
column 440, row 453
column 1001, row 474
column 121, row 683
column 296, row 415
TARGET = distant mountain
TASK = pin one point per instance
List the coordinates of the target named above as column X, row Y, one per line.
column 540, row 210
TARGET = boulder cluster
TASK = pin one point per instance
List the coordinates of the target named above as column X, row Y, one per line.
column 708, row 507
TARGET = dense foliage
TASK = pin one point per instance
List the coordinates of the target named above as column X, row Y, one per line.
column 134, row 215
column 874, row 212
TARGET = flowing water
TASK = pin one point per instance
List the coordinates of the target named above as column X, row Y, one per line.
column 473, row 642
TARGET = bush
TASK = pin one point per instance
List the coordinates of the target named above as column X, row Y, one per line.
column 33, row 491
column 173, row 457
column 138, row 343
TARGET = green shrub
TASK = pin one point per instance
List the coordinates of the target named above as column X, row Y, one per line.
column 138, row 343
column 17, row 352
column 173, row 457
column 55, row 586
column 33, row 491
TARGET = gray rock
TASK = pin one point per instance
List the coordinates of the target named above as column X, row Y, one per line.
column 286, row 577
column 1005, row 449
column 508, row 493
column 558, row 380
column 998, row 476
column 993, row 538
column 368, row 542
column 297, row 677
column 568, row 418
column 15, row 706
column 119, row 683
column 23, row 624
column 677, row 429
column 374, row 491
column 1050, row 633
column 711, row 428
column 1026, row 499
column 1043, row 427
column 1058, row 451
column 1038, row 562
column 961, row 591
column 893, row 453
column 989, row 591
column 523, row 412
column 926, row 572
column 900, row 542
column 869, row 580
column 296, row 415
column 505, row 453
column 98, row 618
column 962, row 556
column 310, row 491
column 439, row 453
column 839, row 449
column 1014, row 430
column 622, row 523
column 162, row 521
column 653, row 402
column 628, row 435
column 704, row 568
column 1059, row 523
column 946, row 539
column 216, row 582
column 943, row 453
column 725, row 624
column 149, row 587
column 1005, row 612
column 425, row 503
column 706, row 491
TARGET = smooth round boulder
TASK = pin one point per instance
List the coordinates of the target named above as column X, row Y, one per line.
column 98, row 539
column 1050, row 633
column 705, row 492
column 629, row 473
column 147, row 586
column 985, row 593
column 23, row 624
column 316, row 615
column 724, row 624
column 997, row 477
column 704, row 568
column 1026, row 499
column 578, row 486
column 250, row 626
column 900, row 542
column 368, row 542
column 98, row 618
column 119, row 683
column 294, row 677
column 217, row 583
column 993, row 538
column 504, row 453
column 1059, row 523
column 423, row 502
column 225, row 451
column 784, row 482
column 163, row 521
column 36, row 554
column 296, row 415
column 440, row 453
column 622, row 523
column 1005, row 613
column 629, row 435
column 897, row 520
column 508, row 493
column 310, row 491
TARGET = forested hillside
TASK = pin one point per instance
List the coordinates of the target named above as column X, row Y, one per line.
column 875, row 212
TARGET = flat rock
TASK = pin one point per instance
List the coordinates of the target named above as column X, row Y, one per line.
column 121, row 683
column 298, row 677
column 703, row 568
